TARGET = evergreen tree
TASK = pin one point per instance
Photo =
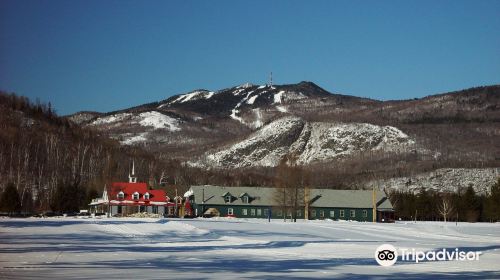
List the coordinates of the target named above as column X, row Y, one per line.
column 10, row 201
column 424, row 205
column 404, row 204
column 27, row 203
column 471, row 204
column 91, row 194
column 67, row 198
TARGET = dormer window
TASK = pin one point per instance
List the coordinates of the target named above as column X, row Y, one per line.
column 120, row 195
column 228, row 198
column 146, row 196
column 245, row 198
column 135, row 196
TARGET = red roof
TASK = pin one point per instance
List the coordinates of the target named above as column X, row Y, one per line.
column 129, row 189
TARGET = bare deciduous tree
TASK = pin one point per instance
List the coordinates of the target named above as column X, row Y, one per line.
column 445, row 207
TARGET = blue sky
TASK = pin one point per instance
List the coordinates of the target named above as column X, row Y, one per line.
column 108, row 55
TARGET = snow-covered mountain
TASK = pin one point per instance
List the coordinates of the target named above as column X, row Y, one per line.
column 309, row 142
column 203, row 119
column 257, row 125
column 144, row 123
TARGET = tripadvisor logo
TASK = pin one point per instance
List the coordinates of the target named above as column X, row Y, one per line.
column 387, row 255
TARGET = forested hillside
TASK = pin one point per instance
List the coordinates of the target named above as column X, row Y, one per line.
column 53, row 163
column 50, row 163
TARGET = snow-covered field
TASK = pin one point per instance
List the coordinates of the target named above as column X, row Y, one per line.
column 125, row 248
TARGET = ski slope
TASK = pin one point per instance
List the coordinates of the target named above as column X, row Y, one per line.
column 126, row 248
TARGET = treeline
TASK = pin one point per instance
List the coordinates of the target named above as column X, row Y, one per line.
column 53, row 164
column 48, row 163
column 464, row 205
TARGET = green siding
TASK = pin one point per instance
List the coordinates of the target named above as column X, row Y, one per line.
column 358, row 212
column 238, row 211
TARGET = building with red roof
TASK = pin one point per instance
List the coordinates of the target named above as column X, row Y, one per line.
column 126, row 198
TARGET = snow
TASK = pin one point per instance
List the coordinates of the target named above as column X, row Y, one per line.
column 111, row 119
column 187, row 97
column 221, row 248
column 235, row 117
column 236, row 111
column 444, row 180
column 258, row 118
column 251, row 100
column 262, row 148
column 134, row 139
column 209, row 95
column 158, row 120
column 245, row 85
column 333, row 140
column 153, row 119
column 188, row 193
column 282, row 109
column 238, row 91
column 292, row 95
column 197, row 94
column 278, row 97
column 311, row 142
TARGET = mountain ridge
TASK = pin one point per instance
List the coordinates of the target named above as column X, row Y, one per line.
column 189, row 127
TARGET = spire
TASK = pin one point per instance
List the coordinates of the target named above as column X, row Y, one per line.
column 271, row 80
column 131, row 177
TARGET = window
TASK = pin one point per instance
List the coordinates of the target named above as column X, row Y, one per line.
column 353, row 213
column 279, row 213
column 228, row 199
column 266, row 212
column 120, row 195
column 244, row 212
column 332, row 214
column 342, row 213
column 135, row 196
column 146, row 196
column 321, row 213
column 245, row 199
column 259, row 212
column 230, row 211
column 313, row 213
column 289, row 213
column 252, row 212
column 365, row 213
column 299, row 213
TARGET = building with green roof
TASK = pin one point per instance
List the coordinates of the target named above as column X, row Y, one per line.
column 265, row 202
